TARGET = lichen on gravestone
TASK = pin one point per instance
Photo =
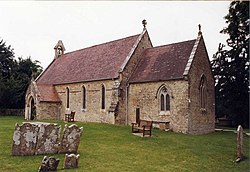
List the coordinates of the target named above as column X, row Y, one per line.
column 32, row 138
column 48, row 164
column 48, row 139
column 71, row 161
column 24, row 139
column 70, row 139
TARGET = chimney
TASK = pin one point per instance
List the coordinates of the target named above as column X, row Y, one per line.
column 59, row 49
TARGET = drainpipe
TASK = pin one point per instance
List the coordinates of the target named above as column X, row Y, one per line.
column 127, row 90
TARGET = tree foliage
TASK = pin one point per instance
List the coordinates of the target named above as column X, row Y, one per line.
column 15, row 76
column 230, row 66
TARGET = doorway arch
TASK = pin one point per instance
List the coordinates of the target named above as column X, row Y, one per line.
column 32, row 109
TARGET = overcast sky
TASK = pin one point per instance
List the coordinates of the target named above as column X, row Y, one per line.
column 33, row 28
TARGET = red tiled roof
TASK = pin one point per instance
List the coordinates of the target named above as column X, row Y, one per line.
column 163, row 62
column 47, row 93
column 94, row 63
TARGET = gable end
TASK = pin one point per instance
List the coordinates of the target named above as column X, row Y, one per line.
column 192, row 55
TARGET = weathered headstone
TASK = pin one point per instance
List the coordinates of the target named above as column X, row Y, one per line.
column 48, row 139
column 49, row 164
column 32, row 138
column 71, row 161
column 71, row 139
column 25, row 139
column 239, row 144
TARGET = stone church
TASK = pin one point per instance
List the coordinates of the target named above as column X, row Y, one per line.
column 128, row 79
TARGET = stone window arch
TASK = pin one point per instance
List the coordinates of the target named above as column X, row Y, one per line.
column 67, row 97
column 203, row 92
column 84, row 97
column 103, row 94
column 167, row 102
column 162, row 102
column 164, row 95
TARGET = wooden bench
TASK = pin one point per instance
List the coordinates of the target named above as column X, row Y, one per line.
column 143, row 126
column 70, row 117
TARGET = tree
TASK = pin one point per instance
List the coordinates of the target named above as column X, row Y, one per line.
column 231, row 66
column 25, row 70
column 6, row 60
column 15, row 76
column 6, row 66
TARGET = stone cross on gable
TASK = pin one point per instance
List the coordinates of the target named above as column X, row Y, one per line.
column 199, row 33
column 144, row 23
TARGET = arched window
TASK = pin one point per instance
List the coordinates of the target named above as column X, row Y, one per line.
column 83, row 97
column 164, row 98
column 67, row 97
column 167, row 102
column 162, row 102
column 202, row 88
column 103, row 97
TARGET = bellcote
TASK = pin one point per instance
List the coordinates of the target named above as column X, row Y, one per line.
column 59, row 49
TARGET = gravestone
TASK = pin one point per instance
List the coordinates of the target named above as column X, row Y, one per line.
column 38, row 138
column 239, row 144
column 71, row 139
column 48, row 139
column 25, row 139
column 71, row 161
column 49, row 164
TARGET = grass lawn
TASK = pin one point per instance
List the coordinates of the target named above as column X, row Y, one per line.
column 105, row 147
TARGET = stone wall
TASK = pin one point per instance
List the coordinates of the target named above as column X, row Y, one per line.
column 126, row 74
column 201, row 120
column 31, row 93
column 145, row 96
column 11, row 112
column 93, row 111
column 48, row 110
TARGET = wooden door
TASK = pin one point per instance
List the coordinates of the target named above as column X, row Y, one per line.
column 137, row 115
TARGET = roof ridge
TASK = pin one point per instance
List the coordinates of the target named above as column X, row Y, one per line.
column 102, row 44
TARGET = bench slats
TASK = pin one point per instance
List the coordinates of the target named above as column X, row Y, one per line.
column 143, row 126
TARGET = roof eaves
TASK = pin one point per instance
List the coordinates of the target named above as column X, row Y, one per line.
column 92, row 80
column 146, row 81
column 191, row 57
column 132, row 50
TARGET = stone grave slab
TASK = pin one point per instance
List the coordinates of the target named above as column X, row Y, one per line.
column 71, row 161
column 239, row 143
column 70, row 139
column 25, row 139
column 49, row 164
column 48, row 139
